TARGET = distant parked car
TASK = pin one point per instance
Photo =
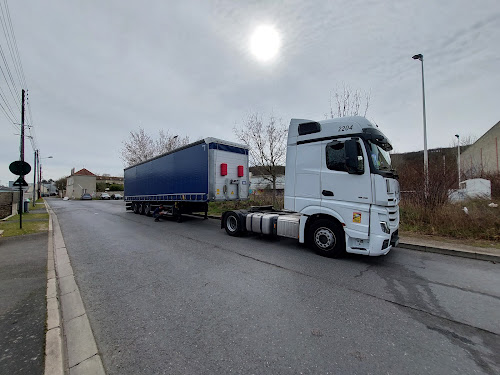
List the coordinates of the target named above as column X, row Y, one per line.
column 117, row 196
column 105, row 196
column 86, row 197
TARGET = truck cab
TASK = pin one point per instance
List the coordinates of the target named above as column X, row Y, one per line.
column 340, row 179
column 341, row 192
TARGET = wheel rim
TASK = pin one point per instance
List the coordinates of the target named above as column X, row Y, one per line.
column 232, row 224
column 324, row 239
column 147, row 209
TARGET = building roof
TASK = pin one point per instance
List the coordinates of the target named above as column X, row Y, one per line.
column 83, row 172
column 488, row 133
column 110, row 178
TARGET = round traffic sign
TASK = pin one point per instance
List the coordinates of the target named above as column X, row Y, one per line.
column 20, row 168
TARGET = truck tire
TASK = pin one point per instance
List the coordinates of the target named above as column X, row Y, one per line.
column 135, row 207
column 142, row 208
column 232, row 224
column 326, row 238
column 147, row 209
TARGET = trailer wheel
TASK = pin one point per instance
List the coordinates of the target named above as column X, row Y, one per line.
column 232, row 224
column 135, row 207
column 142, row 208
column 326, row 238
column 147, row 209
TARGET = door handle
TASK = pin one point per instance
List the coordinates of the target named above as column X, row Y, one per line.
column 327, row 193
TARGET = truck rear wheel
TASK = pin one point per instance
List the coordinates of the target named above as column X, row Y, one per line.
column 232, row 224
column 135, row 207
column 142, row 208
column 326, row 238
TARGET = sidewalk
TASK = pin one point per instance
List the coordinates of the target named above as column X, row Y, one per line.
column 23, row 281
column 448, row 247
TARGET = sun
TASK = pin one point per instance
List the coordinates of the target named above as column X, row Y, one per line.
column 265, row 43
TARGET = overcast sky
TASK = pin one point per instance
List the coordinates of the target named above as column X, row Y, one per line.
column 97, row 70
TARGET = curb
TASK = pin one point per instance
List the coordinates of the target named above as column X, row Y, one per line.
column 452, row 252
column 70, row 343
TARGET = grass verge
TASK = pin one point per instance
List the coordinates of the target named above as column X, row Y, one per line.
column 478, row 225
column 11, row 225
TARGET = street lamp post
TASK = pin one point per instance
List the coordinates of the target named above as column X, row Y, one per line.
column 458, row 158
column 426, row 156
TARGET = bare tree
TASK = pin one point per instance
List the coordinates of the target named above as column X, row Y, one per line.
column 138, row 148
column 141, row 146
column 267, row 144
column 345, row 101
column 167, row 142
column 465, row 140
column 61, row 183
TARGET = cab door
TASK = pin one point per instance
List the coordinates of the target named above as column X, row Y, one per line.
column 350, row 195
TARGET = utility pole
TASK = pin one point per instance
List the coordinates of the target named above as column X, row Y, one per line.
column 39, row 177
column 22, row 160
column 458, row 158
column 34, row 178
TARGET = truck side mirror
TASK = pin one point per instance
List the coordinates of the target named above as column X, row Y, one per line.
column 353, row 161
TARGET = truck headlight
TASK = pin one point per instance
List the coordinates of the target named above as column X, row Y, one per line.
column 385, row 227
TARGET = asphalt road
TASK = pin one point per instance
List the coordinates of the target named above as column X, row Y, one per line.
column 185, row 298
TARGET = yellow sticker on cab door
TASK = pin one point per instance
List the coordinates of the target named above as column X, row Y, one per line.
column 356, row 217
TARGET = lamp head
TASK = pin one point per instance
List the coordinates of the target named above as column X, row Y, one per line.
column 418, row 57
column 458, row 136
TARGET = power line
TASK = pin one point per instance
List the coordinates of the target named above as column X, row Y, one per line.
column 7, row 115
column 9, row 39
column 15, row 45
column 15, row 57
column 2, row 95
column 6, row 80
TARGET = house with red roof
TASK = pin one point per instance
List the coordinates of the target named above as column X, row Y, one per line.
column 80, row 183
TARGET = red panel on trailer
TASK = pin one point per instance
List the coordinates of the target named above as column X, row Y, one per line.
column 223, row 169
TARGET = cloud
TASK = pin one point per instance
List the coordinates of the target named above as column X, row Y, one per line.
column 97, row 70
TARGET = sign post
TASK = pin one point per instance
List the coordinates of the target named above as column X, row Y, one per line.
column 20, row 168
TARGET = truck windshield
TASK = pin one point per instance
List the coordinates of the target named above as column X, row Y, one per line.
column 380, row 158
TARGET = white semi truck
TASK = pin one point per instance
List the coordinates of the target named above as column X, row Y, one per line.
column 341, row 192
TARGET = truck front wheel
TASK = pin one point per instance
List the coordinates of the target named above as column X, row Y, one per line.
column 232, row 224
column 326, row 238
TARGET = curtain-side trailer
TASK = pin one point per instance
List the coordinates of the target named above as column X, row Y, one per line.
column 186, row 179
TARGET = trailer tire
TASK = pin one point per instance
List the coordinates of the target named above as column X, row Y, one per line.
column 142, row 208
column 135, row 207
column 326, row 238
column 232, row 224
column 147, row 209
